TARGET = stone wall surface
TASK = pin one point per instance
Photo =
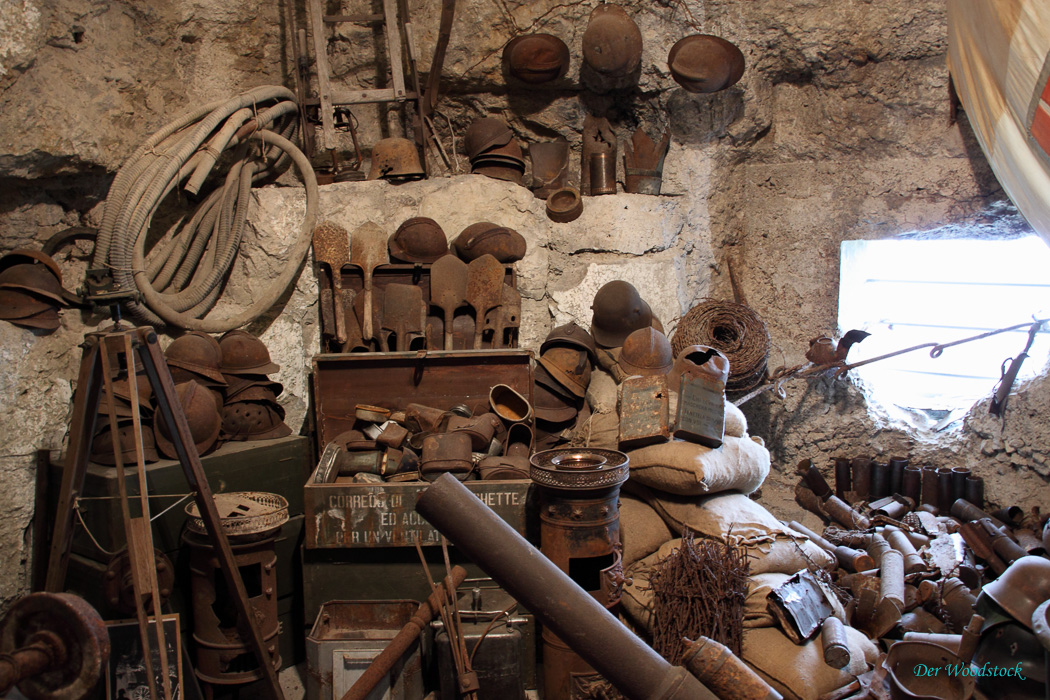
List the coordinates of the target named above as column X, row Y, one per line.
column 838, row 130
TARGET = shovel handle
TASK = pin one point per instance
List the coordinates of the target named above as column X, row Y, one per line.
column 367, row 321
column 449, row 317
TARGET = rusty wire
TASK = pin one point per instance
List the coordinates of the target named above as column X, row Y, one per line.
column 736, row 331
column 699, row 589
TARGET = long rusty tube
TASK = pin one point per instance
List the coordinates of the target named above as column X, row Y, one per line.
column 728, row 676
column 575, row 617
column 32, row 659
column 404, row 639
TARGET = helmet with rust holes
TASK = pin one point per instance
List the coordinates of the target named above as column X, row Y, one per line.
column 202, row 416
column 253, row 420
column 198, row 353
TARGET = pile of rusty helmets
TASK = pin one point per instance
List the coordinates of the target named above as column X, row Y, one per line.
column 493, row 150
column 624, row 323
column 250, row 410
column 562, row 376
column 31, row 290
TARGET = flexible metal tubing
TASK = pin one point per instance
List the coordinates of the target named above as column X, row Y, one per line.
column 189, row 265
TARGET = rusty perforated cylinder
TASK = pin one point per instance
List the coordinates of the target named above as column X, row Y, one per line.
column 975, row 491
column 579, row 620
column 844, row 515
column 834, row 643
column 381, row 665
column 913, row 563
column 891, row 577
column 843, row 477
column 929, row 486
column 951, row 642
column 861, row 468
column 724, row 673
column 911, row 483
column 848, row 558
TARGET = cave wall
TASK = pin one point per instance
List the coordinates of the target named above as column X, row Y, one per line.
column 838, row 130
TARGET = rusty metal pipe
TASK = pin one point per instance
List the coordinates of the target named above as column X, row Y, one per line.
column 891, row 577
column 843, row 477
column 964, row 510
column 579, row 620
column 844, row 515
column 404, row 639
column 834, row 643
column 721, row 670
column 33, row 659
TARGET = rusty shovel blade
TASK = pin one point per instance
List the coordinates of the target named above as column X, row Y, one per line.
column 484, row 290
column 332, row 248
column 448, row 290
column 404, row 313
column 368, row 250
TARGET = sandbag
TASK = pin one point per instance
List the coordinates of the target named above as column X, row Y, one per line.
column 687, row 469
column 799, row 671
column 642, row 530
column 637, row 598
column 599, row 430
column 756, row 611
column 602, row 392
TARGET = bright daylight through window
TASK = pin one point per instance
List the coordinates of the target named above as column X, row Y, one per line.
column 908, row 292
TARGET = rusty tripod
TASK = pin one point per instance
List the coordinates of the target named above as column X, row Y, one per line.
column 142, row 343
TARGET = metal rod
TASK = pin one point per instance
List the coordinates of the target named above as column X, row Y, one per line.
column 558, row 602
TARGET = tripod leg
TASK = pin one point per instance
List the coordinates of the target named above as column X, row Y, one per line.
column 170, row 410
column 81, row 430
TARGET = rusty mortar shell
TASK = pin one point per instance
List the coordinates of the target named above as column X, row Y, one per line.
column 913, row 563
column 848, row 558
column 877, row 548
column 558, row 602
column 858, row 582
column 834, row 644
column 891, row 578
column 1010, row 515
column 805, row 497
column 929, row 486
column 970, row 636
column 855, row 538
column 1029, row 542
column 724, row 673
column 951, row 642
column 814, row 479
column 1007, row 550
column 843, row 477
column 974, row 492
column 967, row 511
column 944, row 489
column 911, row 483
column 880, row 480
column 957, row 602
column 861, row 468
column 844, row 515
column 959, row 477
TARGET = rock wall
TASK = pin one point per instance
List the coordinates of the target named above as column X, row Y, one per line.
column 838, row 130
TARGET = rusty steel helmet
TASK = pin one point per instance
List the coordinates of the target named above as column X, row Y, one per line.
column 239, row 384
column 548, row 405
column 503, row 243
column 571, row 334
column 619, row 310
column 24, row 256
column 612, row 42
column 714, row 365
column 569, row 366
column 38, row 280
column 1021, row 588
column 485, row 134
column 253, row 420
column 243, row 353
column 260, row 393
column 704, row 63
column 122, row 392
column 19, row 304
column 1008, row 645
column 536, row 58
column 395, row 159
column 646, row 352
column 201, row 415
column 198, row 353
column 102, row 448
column 418, row 240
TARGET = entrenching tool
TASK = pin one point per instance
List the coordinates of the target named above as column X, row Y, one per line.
column 332, row 248
column 368, row 251
column 509, row 318
column 484, row 290
column 404, row 313
column 448, row 289
column 373, row 314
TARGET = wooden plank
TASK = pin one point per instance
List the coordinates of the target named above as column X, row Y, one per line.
column 324, row 89
column 339, row 19
column 393, row 44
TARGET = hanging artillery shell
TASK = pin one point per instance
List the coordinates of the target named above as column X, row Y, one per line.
column 911, row 483
column 861, row 468
column 880, row 481
column 843, row 477
column 814, row 479
column 833, row 642
column 913, row 563
column 714, row 665
column 974, row 492
column 891, row 577
column 844, row 515
column 929, row 486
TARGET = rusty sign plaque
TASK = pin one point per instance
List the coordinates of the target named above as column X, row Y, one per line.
column 701, row 411
column 643, row 411
column 384, row 515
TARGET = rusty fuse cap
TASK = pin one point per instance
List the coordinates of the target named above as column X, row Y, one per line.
column 243, row 353
column 646, row 352
column 503, row 243
column 418, row 240
column 704, row 63
column 612, row 43
column 564, row 205
column 619, row 310
column 536, row 58
column 395, row 159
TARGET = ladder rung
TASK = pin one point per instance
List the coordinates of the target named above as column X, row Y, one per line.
column 336, row 19
column 356, row 97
